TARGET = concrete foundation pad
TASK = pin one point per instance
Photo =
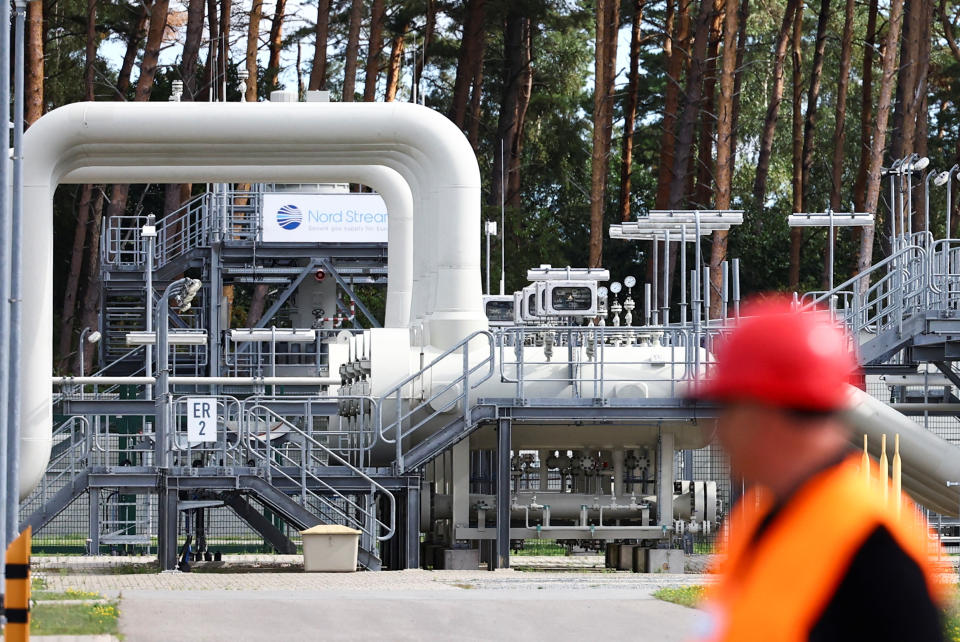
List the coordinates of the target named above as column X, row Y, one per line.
column 662, row 560
column 461, row 559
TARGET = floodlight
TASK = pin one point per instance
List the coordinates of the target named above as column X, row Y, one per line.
column 94, row 336
column 941, row 179
column 920, row 165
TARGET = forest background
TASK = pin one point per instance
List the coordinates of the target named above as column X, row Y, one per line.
column 582, row 114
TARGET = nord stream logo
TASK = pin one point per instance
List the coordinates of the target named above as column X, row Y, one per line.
column 289, row 217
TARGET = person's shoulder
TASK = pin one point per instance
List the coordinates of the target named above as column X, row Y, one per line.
column 884, row 578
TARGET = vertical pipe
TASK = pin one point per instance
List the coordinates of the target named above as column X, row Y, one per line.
column 884, row 469
column 683, row 273
column 656, row 276
column 6, row 232
column 736, row 288
column 724, row 287
column 646, row 304
column 16, row 284
column 486, row 231
column 151, row 248
column 705, row 285
column 665, row 477
column 503, row 492
column 665, row 316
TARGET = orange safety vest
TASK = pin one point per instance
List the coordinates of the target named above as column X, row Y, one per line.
column 776, row 588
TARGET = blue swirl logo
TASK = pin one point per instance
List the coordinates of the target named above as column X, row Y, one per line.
column 289, row 217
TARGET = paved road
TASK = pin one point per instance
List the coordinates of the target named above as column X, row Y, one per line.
column 459, row 614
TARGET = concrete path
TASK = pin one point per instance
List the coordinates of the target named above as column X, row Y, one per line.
column 460, row 614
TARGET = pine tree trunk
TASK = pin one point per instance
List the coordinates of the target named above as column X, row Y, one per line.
column 275, row 46
column 429, row 26
column 473, row 118
column 471, row 50
column 253, row 45
column 866, row 123
column 703, row 190
column 742, row 17
column 133, row 48
column 33, row 106
column 725, row 157
column 630, row 112
column 675, row 54
column 374, row 49
column 773, row 106
column 353, row 50
column 73, row 277
column 839, row 128
column 90, row 311
column 889, row 67
column 796, row 233
column 920, row 104
column 393, row 65
column 318, row 75
column 223, row 42
column 191, row 48
column 605, row 57
column 525, row 87
column 813, row 95
column 210, row 85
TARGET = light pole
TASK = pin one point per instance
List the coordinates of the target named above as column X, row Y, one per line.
column 832, row 220
column 92, row 336
column 184, row 290
column 149, row 232
column 489, row 229
column 16, row 284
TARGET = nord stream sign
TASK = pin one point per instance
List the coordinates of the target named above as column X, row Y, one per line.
column 323, row 218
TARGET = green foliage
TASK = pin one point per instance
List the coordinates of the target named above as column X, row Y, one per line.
column 690, row 596
column 74, row 619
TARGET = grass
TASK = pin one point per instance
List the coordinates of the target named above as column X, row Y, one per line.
column 541, row 547
column 73, row 619
column 689, row 596
column 69, row 594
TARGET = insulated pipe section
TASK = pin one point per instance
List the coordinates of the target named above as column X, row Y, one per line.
column 929, row 462
column 130, row 142
column 388, row 183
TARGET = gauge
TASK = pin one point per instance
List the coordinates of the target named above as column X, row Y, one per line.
column 601, row 291
column 630, row 281
column 615, row 287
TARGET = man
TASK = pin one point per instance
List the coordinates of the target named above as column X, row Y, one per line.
column 814, row 552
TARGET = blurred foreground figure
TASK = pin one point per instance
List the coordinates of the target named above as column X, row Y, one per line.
column 816, row 552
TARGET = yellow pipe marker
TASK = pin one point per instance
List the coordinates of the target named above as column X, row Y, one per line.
column 884, row 469
column 865, row 462
column 17, row 598
column 897, row 473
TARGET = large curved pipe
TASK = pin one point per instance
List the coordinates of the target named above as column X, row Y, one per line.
column 128, row 142
column 929, row 462
column 388, row 183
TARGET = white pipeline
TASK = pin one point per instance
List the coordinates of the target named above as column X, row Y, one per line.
column 256, row 142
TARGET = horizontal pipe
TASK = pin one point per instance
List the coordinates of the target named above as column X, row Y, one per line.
column 199, row 381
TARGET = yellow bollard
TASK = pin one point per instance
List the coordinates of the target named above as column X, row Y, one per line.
column 884, row 469
column 897, row 473
column 865, row 462
column 17, row 598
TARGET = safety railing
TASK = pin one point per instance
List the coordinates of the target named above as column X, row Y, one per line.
column 598, row 362
column 473, row 358
column 72, row 442
column 884, row 296
column 275, row 460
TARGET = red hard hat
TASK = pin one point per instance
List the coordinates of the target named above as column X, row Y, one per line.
column 782, row 357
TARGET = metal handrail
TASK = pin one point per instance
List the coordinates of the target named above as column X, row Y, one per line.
column 391, row 528
column 463, row 381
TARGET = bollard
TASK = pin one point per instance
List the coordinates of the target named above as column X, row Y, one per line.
column 17, row 598
column 897, row 474
column 884, row 469
column 865, row 462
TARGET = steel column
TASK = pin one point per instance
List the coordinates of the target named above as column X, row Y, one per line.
column 665, row 477
column 168, row 523
column 503, row 492
column 412, row 535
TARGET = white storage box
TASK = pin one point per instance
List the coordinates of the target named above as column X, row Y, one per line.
column 330, row 548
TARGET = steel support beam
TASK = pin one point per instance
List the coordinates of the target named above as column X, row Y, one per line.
column 346, row 288
column 168, row 521
column 665, row 477
column 948, row 372
column 503, row 492
column 411, row 536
